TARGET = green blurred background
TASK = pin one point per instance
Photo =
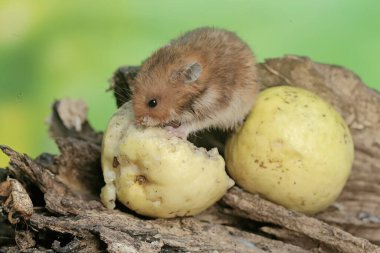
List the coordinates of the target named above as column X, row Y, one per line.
column 51, row 49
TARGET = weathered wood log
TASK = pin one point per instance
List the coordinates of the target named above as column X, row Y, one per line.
column 68, row 216
column 88, row 223
column 256, row 208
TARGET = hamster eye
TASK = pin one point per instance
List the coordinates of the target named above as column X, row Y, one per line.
column 152, row 103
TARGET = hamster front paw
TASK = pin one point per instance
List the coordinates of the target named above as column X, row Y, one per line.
column 179, row 132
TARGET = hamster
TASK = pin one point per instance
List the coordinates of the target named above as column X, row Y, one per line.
column 206, row 78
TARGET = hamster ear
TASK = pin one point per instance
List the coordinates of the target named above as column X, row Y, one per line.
column 192, row 72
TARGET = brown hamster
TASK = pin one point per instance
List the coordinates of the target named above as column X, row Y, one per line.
column 205, row 78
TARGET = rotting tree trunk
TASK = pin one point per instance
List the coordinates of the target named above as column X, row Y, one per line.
column 68, row 216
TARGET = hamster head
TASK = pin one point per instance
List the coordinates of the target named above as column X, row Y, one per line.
column 164, row 89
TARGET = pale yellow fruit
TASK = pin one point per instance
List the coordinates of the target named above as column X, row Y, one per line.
column 294, row 149
column 157, row 174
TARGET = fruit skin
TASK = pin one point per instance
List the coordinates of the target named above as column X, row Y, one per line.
column 294, row 149
column 157, row 174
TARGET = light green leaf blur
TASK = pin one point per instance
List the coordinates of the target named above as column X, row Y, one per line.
column 51, row 49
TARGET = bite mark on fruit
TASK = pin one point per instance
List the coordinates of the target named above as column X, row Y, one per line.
column 115, row 162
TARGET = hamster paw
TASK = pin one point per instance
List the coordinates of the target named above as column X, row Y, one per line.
column 178, row 132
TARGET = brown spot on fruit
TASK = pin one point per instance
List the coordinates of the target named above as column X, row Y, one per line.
column 140, row 179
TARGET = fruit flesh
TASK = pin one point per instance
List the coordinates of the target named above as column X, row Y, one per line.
column 156, row 174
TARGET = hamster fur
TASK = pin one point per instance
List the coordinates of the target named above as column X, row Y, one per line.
column 206, row 78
